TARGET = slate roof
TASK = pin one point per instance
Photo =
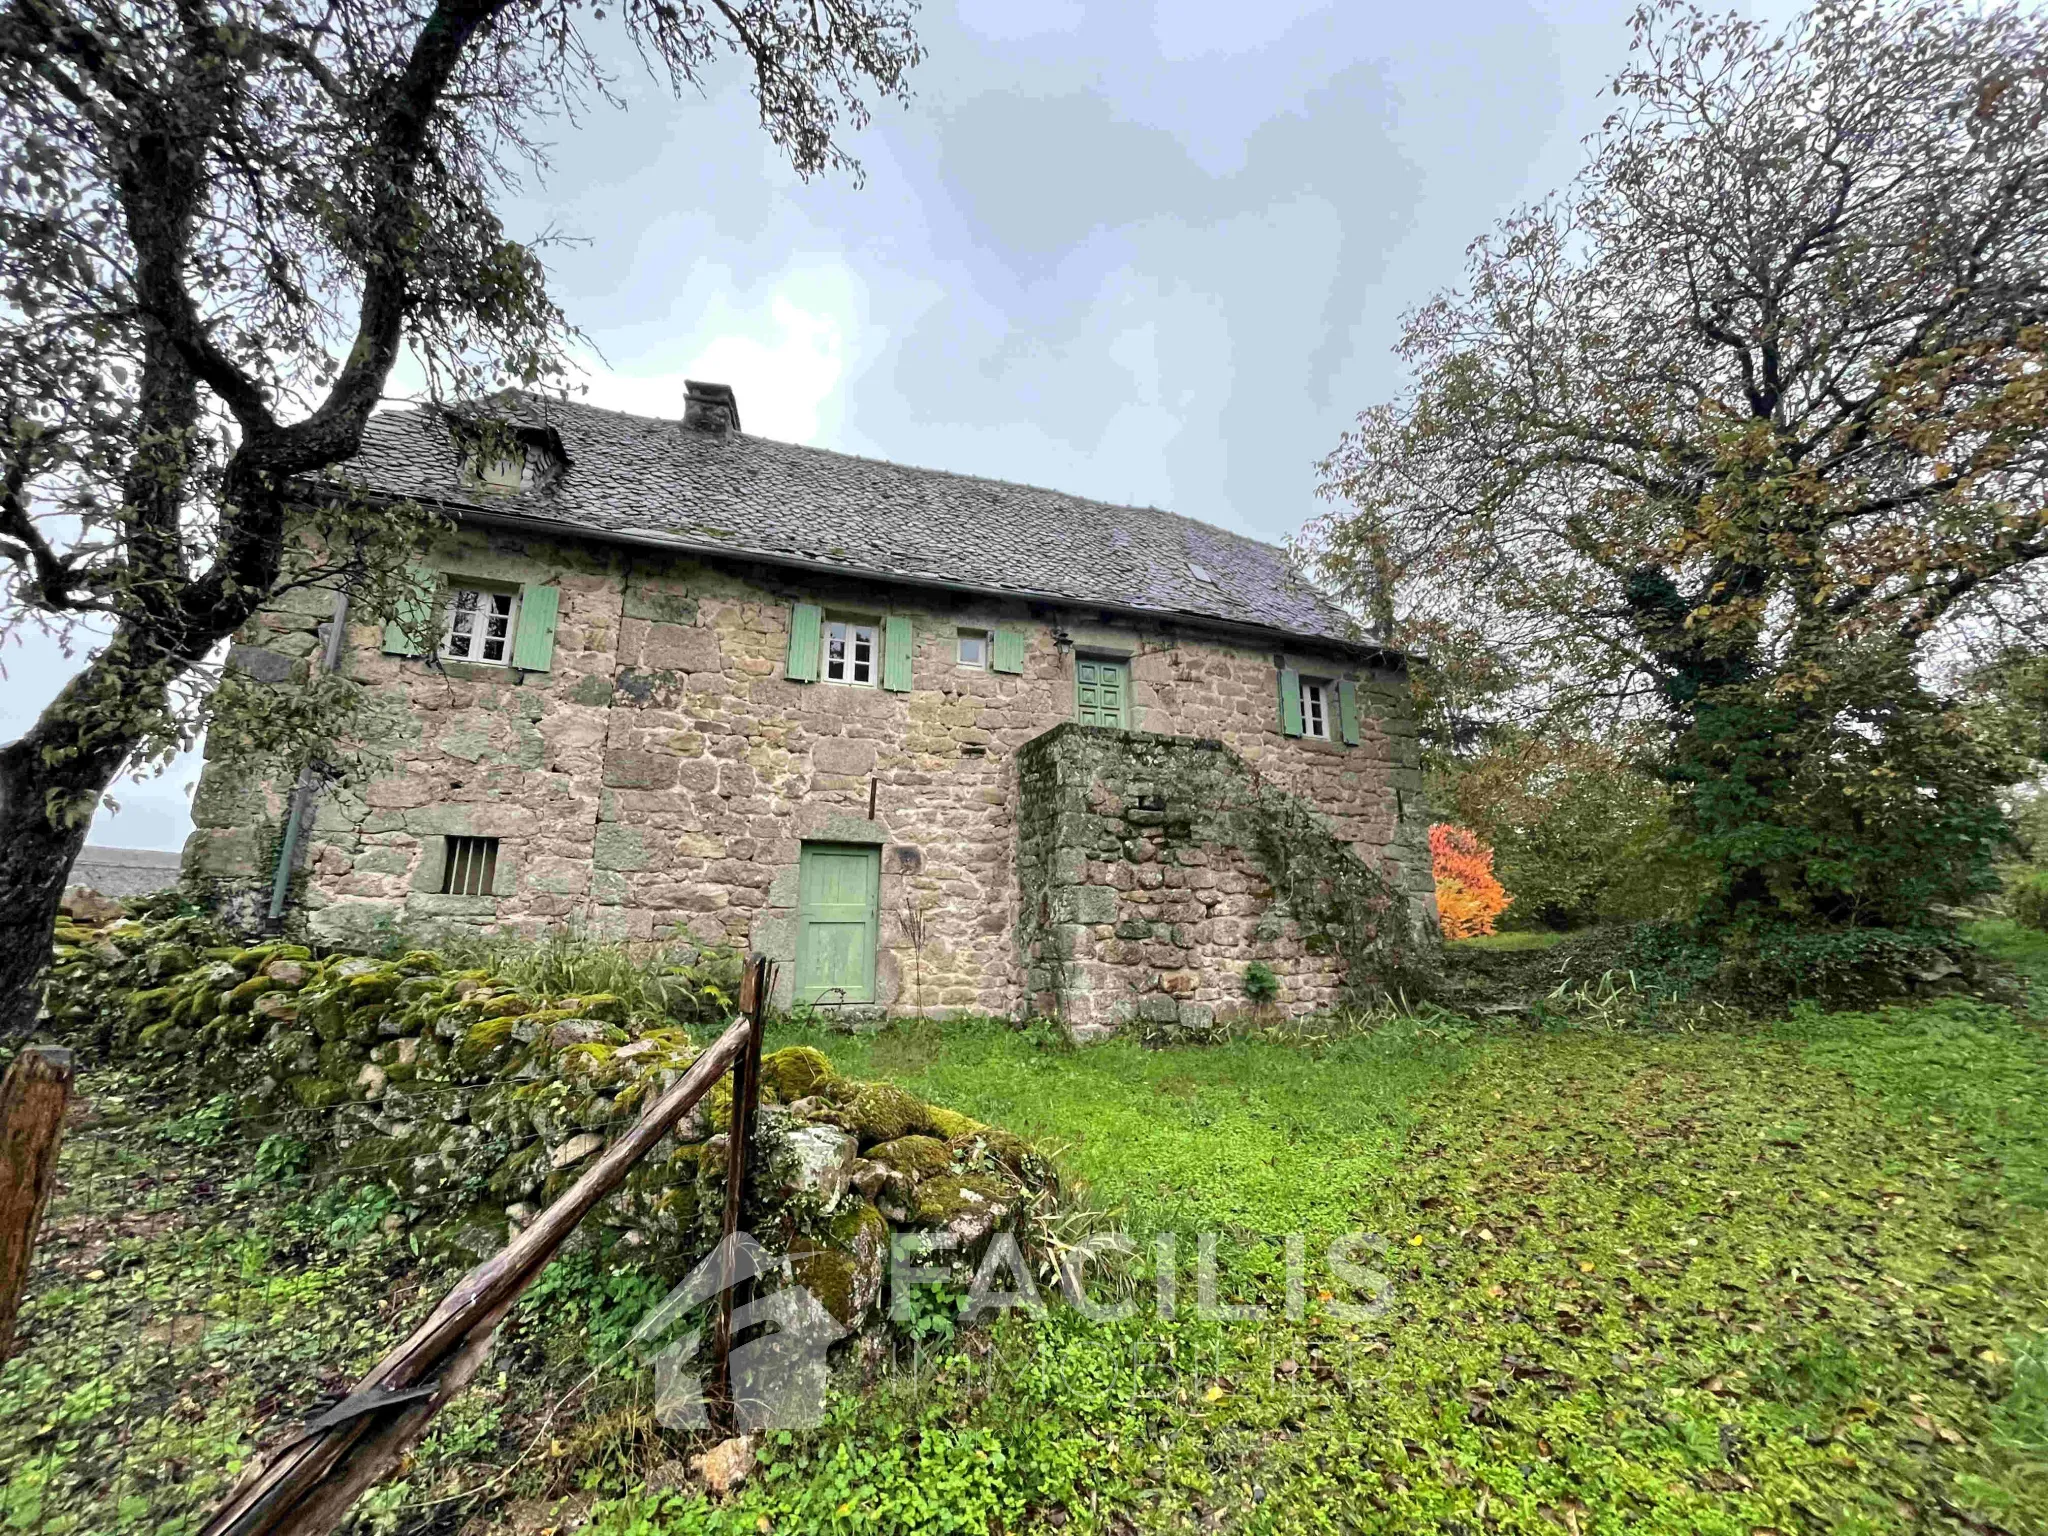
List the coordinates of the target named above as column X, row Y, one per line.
column 124, row 871
column 754, row 496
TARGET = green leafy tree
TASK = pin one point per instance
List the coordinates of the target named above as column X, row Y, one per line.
column 220, row 225
column 1743, row 432
column 1580, row 832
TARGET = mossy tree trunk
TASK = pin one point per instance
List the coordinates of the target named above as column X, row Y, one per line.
column 51, row 781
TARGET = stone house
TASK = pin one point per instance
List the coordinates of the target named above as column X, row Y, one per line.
column 936, row 743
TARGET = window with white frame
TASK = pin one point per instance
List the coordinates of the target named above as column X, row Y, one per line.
column 850, row 652
column 974, row 647
column 1315, row 708
column 479, row 625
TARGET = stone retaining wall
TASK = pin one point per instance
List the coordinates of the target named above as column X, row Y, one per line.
column 1157, row 869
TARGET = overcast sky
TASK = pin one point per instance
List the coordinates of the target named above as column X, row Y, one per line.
column 1156, row 255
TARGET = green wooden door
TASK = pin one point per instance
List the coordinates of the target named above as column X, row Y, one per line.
column 840, row 889
column 1101, row 691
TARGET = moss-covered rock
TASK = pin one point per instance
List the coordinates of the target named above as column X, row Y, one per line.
column 794, row 1072
column 242, row 998
column 968, row 1206
column 878, row 1112
column 1001, row 1151
column 845, row 1270
column 918, row 1156
column 949, row 1124
column 483, row 1041
column 317, row 1092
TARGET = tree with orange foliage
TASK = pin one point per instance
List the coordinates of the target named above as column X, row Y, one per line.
column 1468, row 898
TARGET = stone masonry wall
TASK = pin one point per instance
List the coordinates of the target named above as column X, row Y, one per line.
column 664, row 773
column 1156, row 869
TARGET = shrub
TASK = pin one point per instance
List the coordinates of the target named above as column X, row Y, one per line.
column 1260, row 984
column 1860, row 800
column 680, row 980
column 2027, row 900
column 1468, row 897
column 1765, row 969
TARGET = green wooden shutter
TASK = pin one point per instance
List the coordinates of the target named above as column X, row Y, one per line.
column 414, row 619
column 806, row 625
column 533, row 643
column 1347, row 710
column 1290, row 702
column 1009, row 651
column 896, row 638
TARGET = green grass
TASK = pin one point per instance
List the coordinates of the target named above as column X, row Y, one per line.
column 1788, row 1277
column 1511, row 943
column 2024, row 949
column 1255, row 1133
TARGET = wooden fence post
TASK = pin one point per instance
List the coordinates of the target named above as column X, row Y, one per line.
column 32, row 1102
column 746, row 1096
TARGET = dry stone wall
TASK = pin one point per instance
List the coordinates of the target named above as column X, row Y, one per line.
column 1157, row 869
column 663, row 773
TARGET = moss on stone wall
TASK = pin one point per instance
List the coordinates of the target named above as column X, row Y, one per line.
column 477, row 1102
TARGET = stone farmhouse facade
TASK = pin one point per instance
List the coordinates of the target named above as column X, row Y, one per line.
column 934, row 742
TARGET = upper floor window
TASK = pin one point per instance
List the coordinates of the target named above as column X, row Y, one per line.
column 500, row 455
column 974, row 647
column 850, row 652
column 479, row 625
column 500, row 471
column 1315, row 708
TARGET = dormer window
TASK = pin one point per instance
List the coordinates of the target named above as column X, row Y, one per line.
column 498, row 455
column 500, row 471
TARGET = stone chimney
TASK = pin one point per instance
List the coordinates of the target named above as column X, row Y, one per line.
column 710, row 408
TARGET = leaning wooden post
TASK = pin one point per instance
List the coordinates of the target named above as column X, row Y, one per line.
column 32, row 1103
column 746, row 1095
column 305, row 1486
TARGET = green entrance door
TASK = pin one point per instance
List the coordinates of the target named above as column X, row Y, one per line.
column 1101, row 689
column 840, row 888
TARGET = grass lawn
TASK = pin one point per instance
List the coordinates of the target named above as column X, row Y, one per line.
column 1511, row 943
column 1787, row 1278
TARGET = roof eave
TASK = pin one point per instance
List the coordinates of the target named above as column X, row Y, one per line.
column 647, row 538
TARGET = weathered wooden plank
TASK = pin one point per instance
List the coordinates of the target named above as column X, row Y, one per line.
column 33, row 1099
column 306, row 1486
column 746, row 1097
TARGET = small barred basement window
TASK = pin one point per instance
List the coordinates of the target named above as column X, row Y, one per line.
column 472, row 868
column 479, row 626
